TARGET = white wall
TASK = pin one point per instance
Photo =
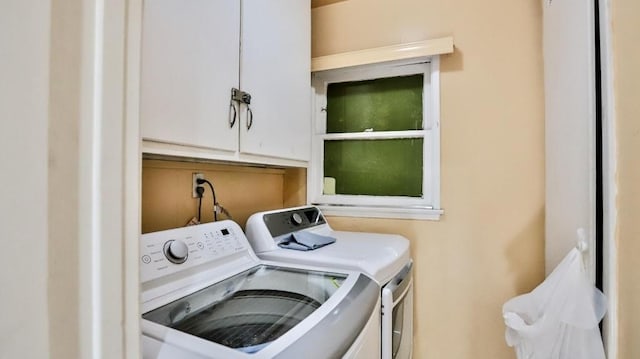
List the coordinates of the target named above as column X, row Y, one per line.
column 24, row 93
column 568, row 46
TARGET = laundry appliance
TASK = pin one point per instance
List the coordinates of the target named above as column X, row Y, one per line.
column 385, row 257
column 205, row 294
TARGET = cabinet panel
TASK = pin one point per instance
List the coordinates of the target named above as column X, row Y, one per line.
column 190, row 62
column 276, row 71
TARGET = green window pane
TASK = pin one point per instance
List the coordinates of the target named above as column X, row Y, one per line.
column 387, row 104
column 375, row 167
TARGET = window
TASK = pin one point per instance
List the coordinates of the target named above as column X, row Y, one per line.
column 376, row 141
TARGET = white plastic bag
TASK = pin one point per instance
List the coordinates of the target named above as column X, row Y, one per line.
column 558, row 319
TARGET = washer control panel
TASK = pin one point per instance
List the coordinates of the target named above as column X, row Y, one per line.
column 167, row 252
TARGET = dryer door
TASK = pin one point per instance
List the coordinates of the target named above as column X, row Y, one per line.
column 397, row 315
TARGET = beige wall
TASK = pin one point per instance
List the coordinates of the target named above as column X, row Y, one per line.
column 242, row 190
column 626, row 58
column 489, row 245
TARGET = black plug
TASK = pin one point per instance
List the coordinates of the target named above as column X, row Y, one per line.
column 199, row 191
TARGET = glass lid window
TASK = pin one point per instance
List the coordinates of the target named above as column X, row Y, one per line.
column 251, row 309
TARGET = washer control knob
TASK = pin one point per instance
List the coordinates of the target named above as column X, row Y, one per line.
column 296, row 219
column 176, row 251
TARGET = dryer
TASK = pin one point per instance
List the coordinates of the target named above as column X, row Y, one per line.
column 385, row 257
column 205, row 294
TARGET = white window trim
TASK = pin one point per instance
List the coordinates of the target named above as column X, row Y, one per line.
column 427, row 207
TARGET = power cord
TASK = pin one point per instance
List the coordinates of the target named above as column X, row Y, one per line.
column 213, row 192
column 199, row 192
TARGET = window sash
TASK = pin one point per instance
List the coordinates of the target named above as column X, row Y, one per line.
column 373, row 135
column 427, row 200
column 394, row 205
column 383, row 104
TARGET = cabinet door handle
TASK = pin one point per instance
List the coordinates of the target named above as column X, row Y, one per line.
column 232, row 120
column 249, row 118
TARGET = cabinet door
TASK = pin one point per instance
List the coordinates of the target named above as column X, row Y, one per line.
column 276, row 71
column 190, row 58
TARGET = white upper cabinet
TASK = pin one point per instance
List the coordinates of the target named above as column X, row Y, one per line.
column 275, row 68
column 195, row 52
column 190, row 62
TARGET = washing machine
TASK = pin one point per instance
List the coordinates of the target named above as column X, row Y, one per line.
column 385, row 257
column 205, row 294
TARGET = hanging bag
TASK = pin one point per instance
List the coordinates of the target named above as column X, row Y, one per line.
column 558, row 319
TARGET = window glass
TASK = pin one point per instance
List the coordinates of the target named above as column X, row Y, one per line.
column 375, row 167
column 386, row 104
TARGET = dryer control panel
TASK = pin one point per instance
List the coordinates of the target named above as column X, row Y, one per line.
column 167, row 252
column 285, row 222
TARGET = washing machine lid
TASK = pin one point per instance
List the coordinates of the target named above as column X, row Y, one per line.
column 267, row 311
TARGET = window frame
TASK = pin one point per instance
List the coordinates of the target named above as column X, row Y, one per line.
column 426, row 207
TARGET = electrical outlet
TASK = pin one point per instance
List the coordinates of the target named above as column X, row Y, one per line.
column 195, row 184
